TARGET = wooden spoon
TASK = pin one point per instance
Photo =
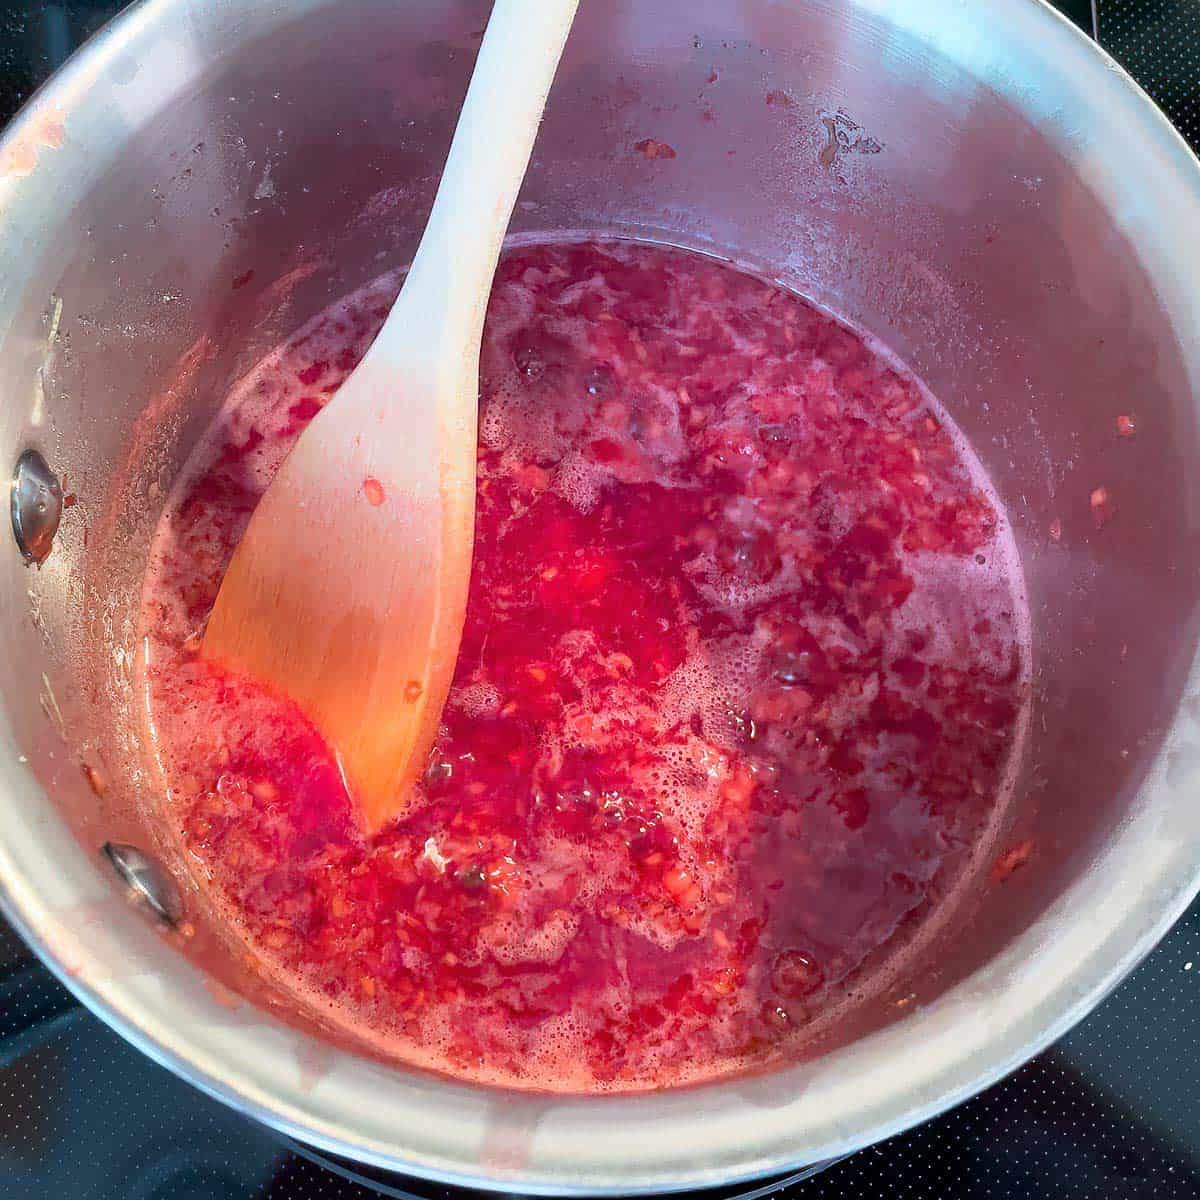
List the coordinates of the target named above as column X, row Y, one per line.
column 349, row 589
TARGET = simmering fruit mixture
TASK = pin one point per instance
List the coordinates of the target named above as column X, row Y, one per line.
column 740, row 692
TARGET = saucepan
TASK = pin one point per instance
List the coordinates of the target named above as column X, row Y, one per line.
column 977, row 185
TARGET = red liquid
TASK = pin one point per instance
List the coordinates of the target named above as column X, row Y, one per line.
column 740, row 687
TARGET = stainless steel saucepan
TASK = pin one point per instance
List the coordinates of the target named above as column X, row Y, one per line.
column 974, row 183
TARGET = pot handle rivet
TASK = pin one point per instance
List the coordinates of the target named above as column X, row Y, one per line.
column 37, row 503
column 149, row 885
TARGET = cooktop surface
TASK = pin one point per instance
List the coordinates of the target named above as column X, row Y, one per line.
column 1112, row 1111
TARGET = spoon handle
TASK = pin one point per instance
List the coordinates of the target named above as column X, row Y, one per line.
column 451, row 276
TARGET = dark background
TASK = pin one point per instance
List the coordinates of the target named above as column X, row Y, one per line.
column 1111, row 1112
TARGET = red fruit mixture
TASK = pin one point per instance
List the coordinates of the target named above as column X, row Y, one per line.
column 741, row 684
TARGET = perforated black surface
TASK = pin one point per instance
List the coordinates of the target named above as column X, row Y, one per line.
column 1158, row 41
column 1112, row 1112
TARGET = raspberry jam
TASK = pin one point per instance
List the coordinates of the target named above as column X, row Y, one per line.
column 739, row 696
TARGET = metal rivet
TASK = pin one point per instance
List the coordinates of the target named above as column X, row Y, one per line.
column 37, row 502
column 149, row 885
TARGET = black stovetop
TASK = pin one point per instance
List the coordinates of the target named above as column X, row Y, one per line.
column 1111, row 1112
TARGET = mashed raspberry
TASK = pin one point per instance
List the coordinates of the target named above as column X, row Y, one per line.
column 740, row 688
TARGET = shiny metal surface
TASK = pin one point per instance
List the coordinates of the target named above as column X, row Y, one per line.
column 35, row 506
column 978, row 186
column 148, row 884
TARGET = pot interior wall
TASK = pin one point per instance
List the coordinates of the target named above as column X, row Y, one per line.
column 831, row 150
